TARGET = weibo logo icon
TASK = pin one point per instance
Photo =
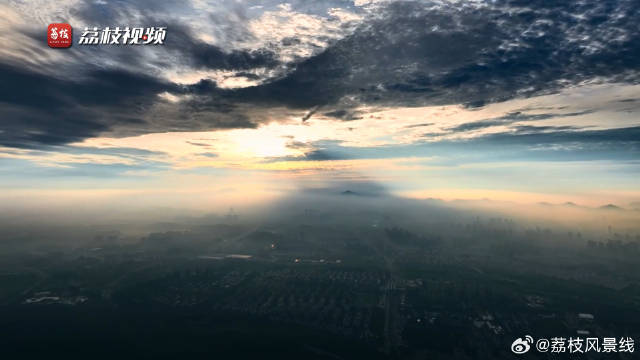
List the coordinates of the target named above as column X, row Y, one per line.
column 59, row 35
column 521, row 346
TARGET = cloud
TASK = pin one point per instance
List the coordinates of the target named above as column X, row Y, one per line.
column 556, row 143
column 315, row 155
column 528, row 129
column 418, row 125
column 620, row 138
column 80, row 161
column 39, row 110
column 208, row 154
column 413, row 54
column 403, row 54
column 197, row 54
column 308, row 115
column 513, row 117
column 198, row 144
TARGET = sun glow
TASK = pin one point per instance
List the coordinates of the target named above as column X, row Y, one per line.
column 259, row 144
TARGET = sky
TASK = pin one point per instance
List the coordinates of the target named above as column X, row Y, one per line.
column 521, row 101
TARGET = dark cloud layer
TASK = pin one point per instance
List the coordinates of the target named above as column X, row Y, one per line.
column 200, row 55
column 42, row 110
column 413, row 54
column 407, row 54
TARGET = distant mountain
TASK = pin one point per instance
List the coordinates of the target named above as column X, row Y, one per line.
column 567, row 204
column 610, row 207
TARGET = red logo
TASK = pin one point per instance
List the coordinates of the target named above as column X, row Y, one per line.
column 59, row 35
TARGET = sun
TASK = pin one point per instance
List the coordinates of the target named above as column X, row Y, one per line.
column 261, row 144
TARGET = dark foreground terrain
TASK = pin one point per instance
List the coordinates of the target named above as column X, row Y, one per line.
column 318, row 291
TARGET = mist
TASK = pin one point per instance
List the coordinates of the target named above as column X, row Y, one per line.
column 71, row 222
